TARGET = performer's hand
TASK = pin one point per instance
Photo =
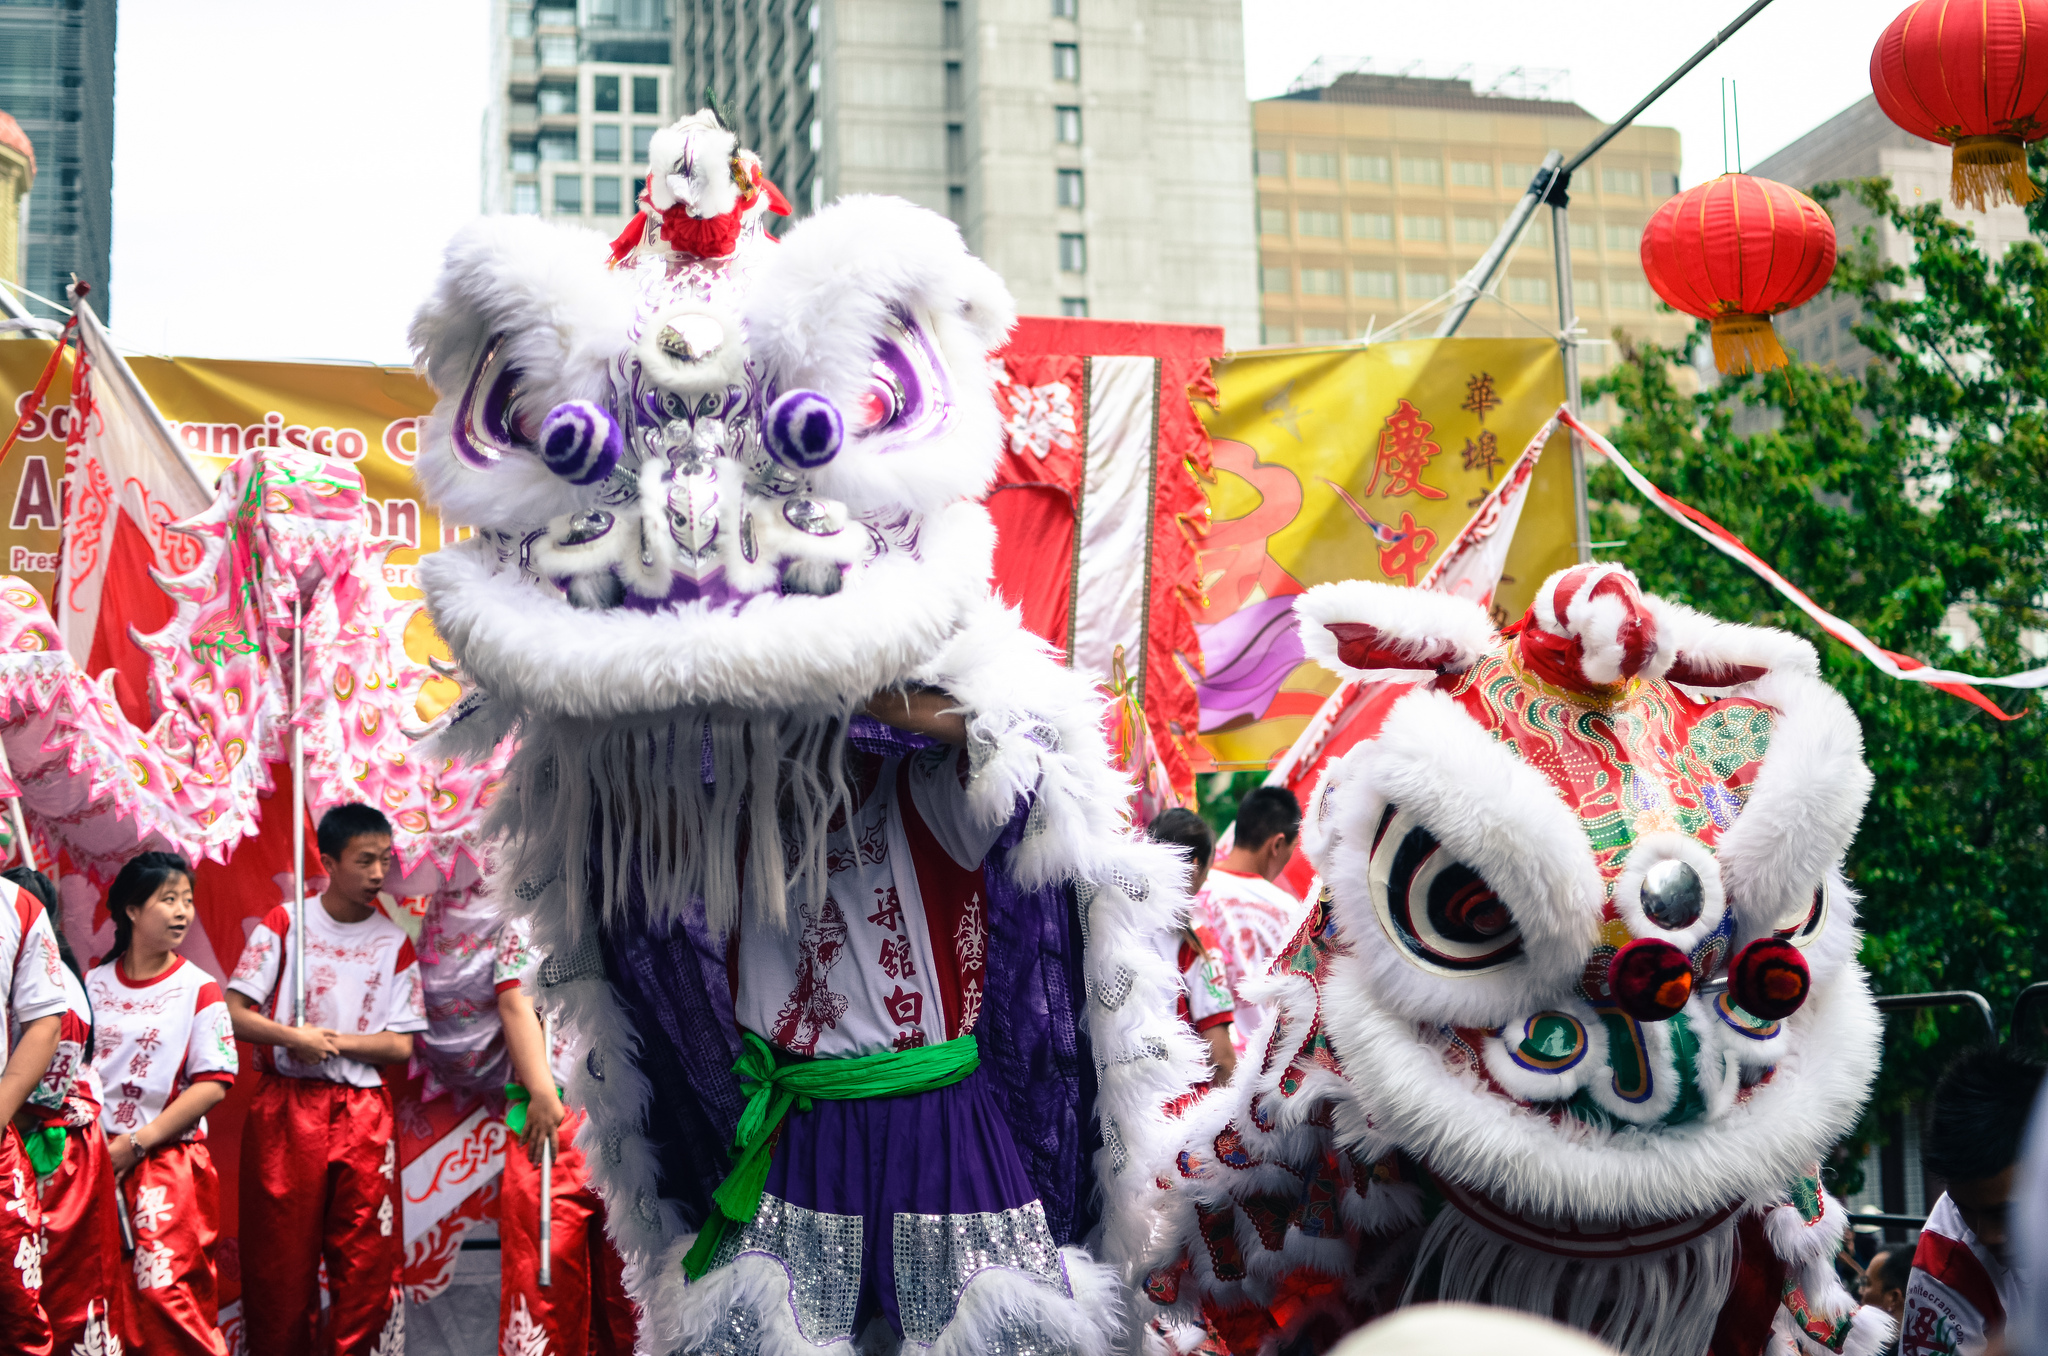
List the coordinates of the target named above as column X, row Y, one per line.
column 544, row 1116
column 121, row 1149
column 310, row 1044
column 924, row 711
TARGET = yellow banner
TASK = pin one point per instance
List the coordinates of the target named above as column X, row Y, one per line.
column 1358, row 463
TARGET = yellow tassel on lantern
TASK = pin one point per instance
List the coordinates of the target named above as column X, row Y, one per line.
column 1987, row 171
column 1746, row 343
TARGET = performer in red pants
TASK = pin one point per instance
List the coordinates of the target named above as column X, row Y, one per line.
column 165, row 1056
column 320, row 1147
column 31, row 1010
column 583, row 1311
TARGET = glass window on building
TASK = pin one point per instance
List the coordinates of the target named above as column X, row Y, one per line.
column 1276, row 280
column 1663, row 184
column 1372, row 225
column 558, row 50
column 526, row 199
column 1272, row 221
column 1066, row 61
column 643, row 142
column 1066, row 122
column 1068, row 9
column 1472, row 174
column 1323, row 334
column 1422, row 228
column 1586, row 294
column 1270, row 164
column 647, row 95
column 1076, row 307
column 1426, row 286
column 557, row 99
column 1585, row 235
column 557, row 146
column 1071, row 189
column 604, row 142
column 1472, row 230
column 1372, row 282
column 1623, row 183
column 1322, row 282
column 956, row 204
column 556, row 16
column 568, row 194
column 1073, row 253
column 519, row 22
column 1623, row 239
column 1367, row 169
column 1629, row 294
column 1536, row 234
column 1425, row 172
column 1529, row 291
column 525, row 160
column 1315, row 165
column 1317, row 223
column 604, row 93
column 1276, row 334
column 604, row 195
column 1515, row 174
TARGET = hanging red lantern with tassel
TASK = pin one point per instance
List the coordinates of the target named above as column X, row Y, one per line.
column 1736, row 251
column 1973, row 75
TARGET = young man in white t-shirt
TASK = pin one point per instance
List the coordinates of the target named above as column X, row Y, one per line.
column 1248, row 914
column 320, row 1145
column 32, row 1005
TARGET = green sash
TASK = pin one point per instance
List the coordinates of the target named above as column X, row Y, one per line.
column 45, row 1145
column 775, row 1082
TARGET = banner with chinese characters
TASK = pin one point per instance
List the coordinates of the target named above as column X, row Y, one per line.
column 1357, row 463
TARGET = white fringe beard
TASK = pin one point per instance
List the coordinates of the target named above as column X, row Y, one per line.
column 1661, row 1304
column 599, row 802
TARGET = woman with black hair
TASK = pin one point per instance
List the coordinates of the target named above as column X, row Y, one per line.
column 165, row 1053
column 84, row 1276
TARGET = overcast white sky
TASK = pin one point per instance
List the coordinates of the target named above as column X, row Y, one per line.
column 286, row 174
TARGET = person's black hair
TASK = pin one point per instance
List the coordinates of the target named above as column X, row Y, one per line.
column 1897, row 1268
column 39, row 885
column 1266, row 811
column 1980, row 1113
column 137, row 882
column 345, row 823
column 1185, row 829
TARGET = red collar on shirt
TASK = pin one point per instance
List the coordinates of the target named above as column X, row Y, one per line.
column 177, row 963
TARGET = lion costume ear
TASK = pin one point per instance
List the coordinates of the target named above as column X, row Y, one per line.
column 1359, row 629
column 1711, row 653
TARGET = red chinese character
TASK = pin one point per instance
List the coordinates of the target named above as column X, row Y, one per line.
column 148, row 1041
column 895, row 958
column 1404, row 454
column 905, row 1007
column 1409, row 554
column 888, row 914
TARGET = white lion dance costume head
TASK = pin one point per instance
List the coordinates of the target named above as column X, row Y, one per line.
column 830, row 975
column 1577, row 1011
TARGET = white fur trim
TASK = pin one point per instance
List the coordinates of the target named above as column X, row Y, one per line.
column 690, row 161
column 1706, row 644
column 861, row 262
column 1646, row 852
column 1419, row 623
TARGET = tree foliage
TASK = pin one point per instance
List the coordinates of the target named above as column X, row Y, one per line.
column 1902, row 499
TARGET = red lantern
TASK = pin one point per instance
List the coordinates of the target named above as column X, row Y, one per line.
column 1972, row 74
column 1735, row 252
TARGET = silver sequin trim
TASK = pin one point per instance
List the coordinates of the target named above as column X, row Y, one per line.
column 530, row 890
column 1118, row 989
column 823, row 1254
column 1034, row 822
column 737, row 1334
column 937, row 1255
column 585, row 962
column 1135, row 887
column 1113, row 1140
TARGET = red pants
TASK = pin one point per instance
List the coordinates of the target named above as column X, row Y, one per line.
column 173, row 1200
column 24, row 1326
column 86, row 1282
column 320, row 1182
column 584, row 1309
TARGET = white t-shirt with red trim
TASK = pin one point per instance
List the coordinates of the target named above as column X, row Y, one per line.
column 894, row 955
column 31, row 971
column 513, row 958
column 361, row 979
column 154, row 1038
column 70, row 1088
column 1205, row 998
column 1252, row 919
column 1959, row 1293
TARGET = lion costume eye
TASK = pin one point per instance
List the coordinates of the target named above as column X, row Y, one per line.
column 1808, row 930
column 1438, row 910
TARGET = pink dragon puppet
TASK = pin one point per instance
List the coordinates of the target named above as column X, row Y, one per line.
column 874, row 1019
column 1576, row 1012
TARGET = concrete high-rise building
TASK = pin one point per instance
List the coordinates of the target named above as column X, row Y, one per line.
column 57, row 81
column 1095, row 152
column 1376, row 192
column 1860, row 142
column 579, row 86
column 17, row 177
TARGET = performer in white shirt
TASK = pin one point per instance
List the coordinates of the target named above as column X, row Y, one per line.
column 1240, row 905
column 164, row 1051
column 320, row 1146
column 32, row 1005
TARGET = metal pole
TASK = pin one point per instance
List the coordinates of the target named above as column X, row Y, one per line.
column 1568, row 346
column 1480, row 277
column 298, row 814
column 547, row 1173
column 28, row 853
column 1592, row 147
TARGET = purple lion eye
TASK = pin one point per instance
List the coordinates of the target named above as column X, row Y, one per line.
column 804, row 430
column 580, row 442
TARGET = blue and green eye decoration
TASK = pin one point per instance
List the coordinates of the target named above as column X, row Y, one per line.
column 1551, row 1043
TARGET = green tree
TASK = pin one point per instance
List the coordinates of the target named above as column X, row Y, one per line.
column 1900, row 499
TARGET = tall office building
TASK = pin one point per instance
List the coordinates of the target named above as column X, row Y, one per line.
column 1376, row 192
column 57, row 80
column 1860, row 142
column 1094, row 152
column 580, row 86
